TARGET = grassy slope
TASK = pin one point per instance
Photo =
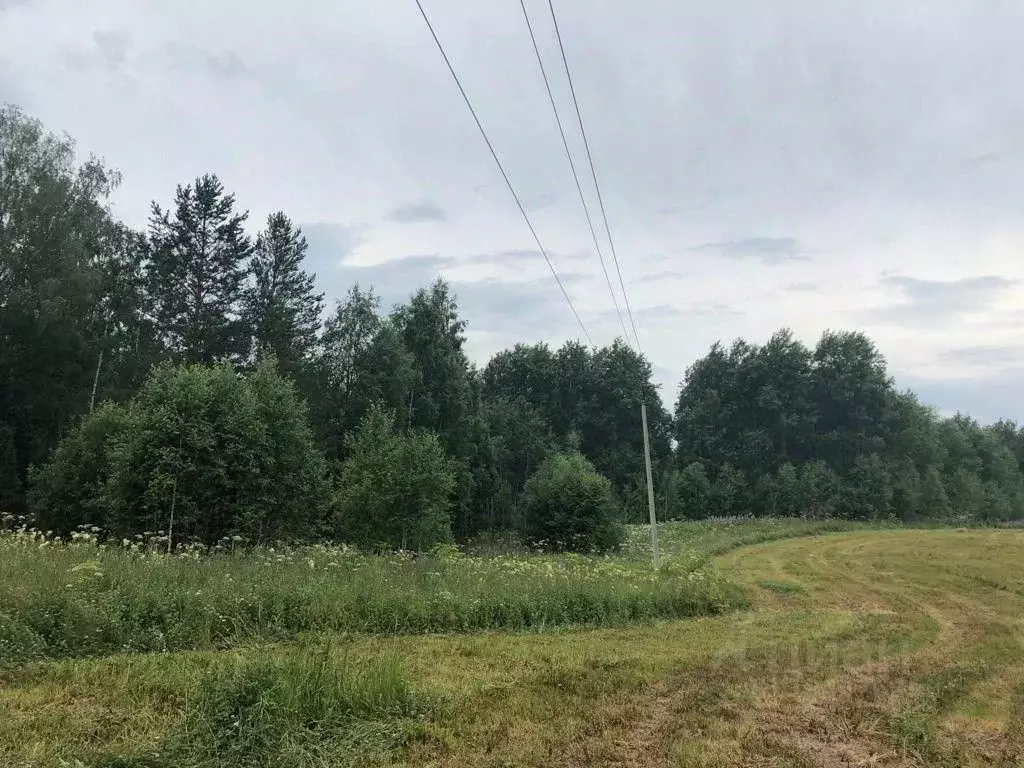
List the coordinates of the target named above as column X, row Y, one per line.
column 898, row 647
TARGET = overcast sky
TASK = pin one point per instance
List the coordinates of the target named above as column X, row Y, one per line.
column 846, row 165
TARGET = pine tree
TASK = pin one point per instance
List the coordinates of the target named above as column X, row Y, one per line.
column 282, row 306
column 197, row 271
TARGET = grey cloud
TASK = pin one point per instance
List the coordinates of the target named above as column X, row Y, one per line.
column 225, row 65
column 573, row 278
column 493, row 304
column 710, row 309
column 519, row 308
column 701, row 198
column 803, row 285
column 987, row 398
column 653, row 315
column 329, row 244
column 5, row 4
column 998, row 357
column 665, row 274
column 540, row 200
column 984, row 159
column 393, row 281
column 662, row 313
column 10, row 92
column 934, row 300
column 418, row 212
column 665, row 374
column 532, row 258
column 109, row 51
column 112, row 46
column 668, row 381
column 510, row 258
column 770, row 250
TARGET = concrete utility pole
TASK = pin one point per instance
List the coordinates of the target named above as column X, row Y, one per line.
column 650, row 488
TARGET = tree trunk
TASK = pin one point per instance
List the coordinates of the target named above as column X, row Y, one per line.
column 96, row 381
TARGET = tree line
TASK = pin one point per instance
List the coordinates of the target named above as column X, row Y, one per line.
column 781, row 429
column 190, row 379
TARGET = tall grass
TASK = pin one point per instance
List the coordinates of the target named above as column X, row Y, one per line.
column 294, row 709
column 303, row 707
column 85, row 598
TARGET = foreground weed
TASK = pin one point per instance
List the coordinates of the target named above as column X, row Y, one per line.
column 303, row 707
column 87, row 598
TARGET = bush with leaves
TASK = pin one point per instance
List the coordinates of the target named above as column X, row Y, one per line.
column 396, row 487
column 568, row 505
column 200, row 452
column 68, row 492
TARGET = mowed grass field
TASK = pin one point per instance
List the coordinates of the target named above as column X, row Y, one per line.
column 858, row 647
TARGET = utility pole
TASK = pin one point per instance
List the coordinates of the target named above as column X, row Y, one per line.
column 650, row 488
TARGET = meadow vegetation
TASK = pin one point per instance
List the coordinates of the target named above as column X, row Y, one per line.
column 86, row 597
column 899, row 646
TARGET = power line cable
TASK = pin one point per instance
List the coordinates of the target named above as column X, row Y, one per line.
column 504, row 175
column 593, row 173
column 643, row 405
column 572, row 167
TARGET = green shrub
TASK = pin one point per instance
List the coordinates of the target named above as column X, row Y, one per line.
column 68, row 492
column 395, row 488
column 200, row 452
column 569, row 506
